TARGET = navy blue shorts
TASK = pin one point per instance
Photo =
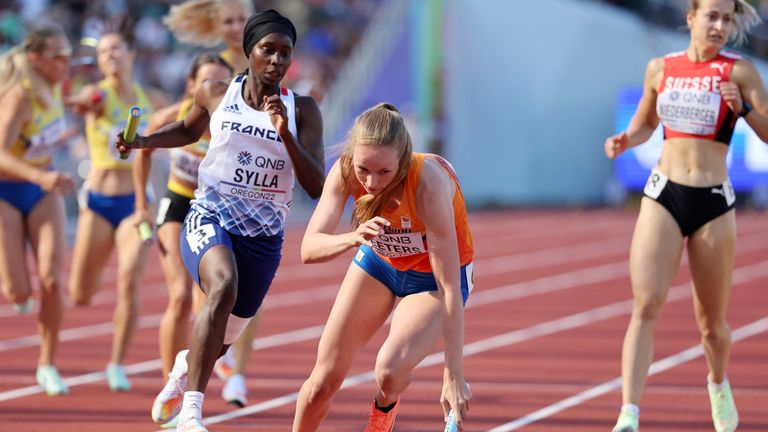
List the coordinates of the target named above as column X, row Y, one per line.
column 22, row 195
column 256, row 258
column 113, row 208
column 403, row 283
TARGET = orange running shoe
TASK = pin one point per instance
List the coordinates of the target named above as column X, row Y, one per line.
column 379, row 421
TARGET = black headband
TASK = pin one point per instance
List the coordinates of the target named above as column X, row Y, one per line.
column 264, row 23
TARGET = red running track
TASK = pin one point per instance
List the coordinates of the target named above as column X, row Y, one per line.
column 544, row 328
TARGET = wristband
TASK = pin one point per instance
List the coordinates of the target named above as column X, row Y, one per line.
column 745, row 109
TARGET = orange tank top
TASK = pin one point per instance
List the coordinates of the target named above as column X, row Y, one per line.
column 404, row 244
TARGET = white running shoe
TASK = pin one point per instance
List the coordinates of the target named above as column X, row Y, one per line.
column 192, row 424
column 235, row 391
column 168, row 402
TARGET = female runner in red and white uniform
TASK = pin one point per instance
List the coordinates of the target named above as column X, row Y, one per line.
column 697, row 95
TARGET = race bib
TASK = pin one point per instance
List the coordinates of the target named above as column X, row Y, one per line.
column 42, row 144
column 689, row 111
column 394, row 245
column 655, row 184
column 185, row 165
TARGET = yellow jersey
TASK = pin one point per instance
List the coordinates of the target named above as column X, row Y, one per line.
column 185, row 161
column 102, row 132
column 38, row 138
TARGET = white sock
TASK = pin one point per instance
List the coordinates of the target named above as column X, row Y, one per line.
column 715, row 386
column 631, row 408
column 192, row 407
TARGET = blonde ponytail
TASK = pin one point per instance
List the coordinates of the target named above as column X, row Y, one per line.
column 746, row 17
column 195, row 21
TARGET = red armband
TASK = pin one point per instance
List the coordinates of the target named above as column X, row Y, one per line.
column 97, row 97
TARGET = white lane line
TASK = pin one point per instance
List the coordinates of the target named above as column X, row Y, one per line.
column 293, row 336
column 676, row 293
column 694, row 352
column 519, row 261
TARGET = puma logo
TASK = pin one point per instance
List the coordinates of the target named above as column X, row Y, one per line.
column 718, row 66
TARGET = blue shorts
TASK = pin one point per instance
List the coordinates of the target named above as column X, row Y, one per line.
column 112, row 208
column 403, row 283
column 256, row 258
column 22, row 195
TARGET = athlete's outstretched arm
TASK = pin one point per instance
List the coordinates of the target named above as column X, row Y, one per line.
column 645, row 120
column 320, row 244
column 142, row 165
column 434, row 201
column 750, row 89
column 186, row 131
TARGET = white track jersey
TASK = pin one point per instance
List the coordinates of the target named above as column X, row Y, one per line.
column 246, row 178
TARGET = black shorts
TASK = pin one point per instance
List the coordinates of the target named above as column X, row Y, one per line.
column 172, row 208
column 691, row 207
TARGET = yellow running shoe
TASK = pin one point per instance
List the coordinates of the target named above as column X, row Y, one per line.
column 627, row 422
column 724, row 414
column 50, row 380
column 171, row 424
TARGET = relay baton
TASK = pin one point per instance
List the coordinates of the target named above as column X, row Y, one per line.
column 450, row 424
column 145, row 231
column 129, row 133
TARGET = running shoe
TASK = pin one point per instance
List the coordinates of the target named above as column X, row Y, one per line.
column 50, row 380
column 25, row 307
column 627, row 422
column 192, row 424
column 224, row 365
column 724, row 413
column 168, row 402
column 171, row 424
column 117, row 379
column 379, row 421
column 235, row 391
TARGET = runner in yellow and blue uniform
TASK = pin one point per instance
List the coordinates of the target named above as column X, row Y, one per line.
column 107, row 199
column 31, row 202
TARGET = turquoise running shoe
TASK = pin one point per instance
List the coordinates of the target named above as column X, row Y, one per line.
column 724, row 414
column 26, row 307
column 117, row 379
column 627, row 422
column 50, row 380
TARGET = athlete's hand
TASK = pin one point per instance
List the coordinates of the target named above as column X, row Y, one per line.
column 369, row 229
column 141, row 215
column 731, row 95
column 455, row 396
column 54, row 181
column 123, row 147
column 616, row 144
column 274, row 106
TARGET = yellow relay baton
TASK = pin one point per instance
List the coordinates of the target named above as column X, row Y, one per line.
column 129, row 133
